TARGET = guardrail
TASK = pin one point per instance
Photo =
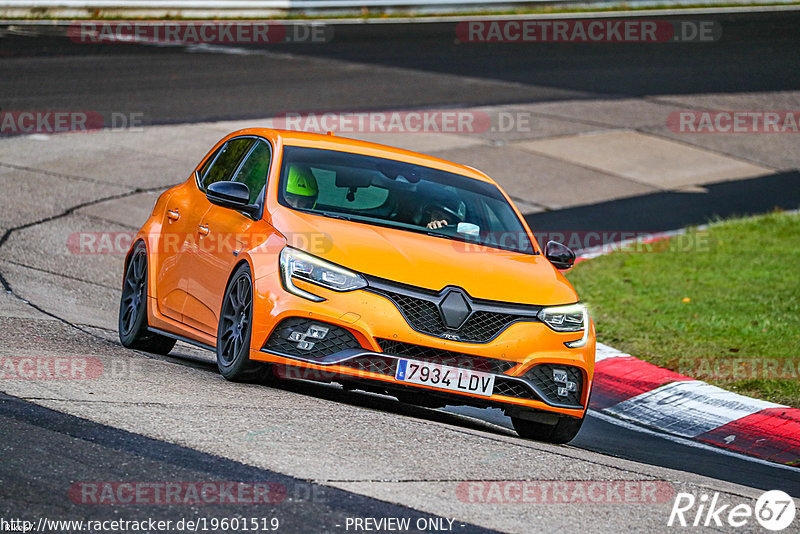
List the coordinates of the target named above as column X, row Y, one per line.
column 246, row 8
column 235, row 8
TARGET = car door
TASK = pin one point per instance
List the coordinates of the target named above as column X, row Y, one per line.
column 184, row 208
column 224, row 233
column 177, row 242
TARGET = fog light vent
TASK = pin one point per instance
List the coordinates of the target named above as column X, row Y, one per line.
column 315, row 332
column 299, row 336
column 565, row 385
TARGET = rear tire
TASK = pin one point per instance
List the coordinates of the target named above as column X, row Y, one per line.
column 132, row 324
column 233, row 331
column 561, row 432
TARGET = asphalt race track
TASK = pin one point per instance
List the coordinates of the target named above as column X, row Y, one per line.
column 397, row 66
column 105, row 453
column 333, row 455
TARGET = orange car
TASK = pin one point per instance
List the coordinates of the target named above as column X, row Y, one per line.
column 318, row 257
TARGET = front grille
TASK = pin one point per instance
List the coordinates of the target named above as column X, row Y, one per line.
column 513, row 388
column 445, row 357
column 483, row 326
column 337, row 339
column 420, row 307
column 372, row 363
column 541, row 376
column 421, row 314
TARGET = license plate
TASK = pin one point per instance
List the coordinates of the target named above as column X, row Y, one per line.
column 445, row 377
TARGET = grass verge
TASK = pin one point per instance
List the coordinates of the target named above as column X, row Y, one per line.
column 720, row 305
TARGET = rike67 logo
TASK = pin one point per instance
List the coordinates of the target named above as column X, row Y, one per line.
column 774, row 510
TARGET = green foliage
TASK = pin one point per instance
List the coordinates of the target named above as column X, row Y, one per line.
column 721, row 304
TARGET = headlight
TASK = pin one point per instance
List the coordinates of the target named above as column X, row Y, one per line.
column 297, row 264
column 570, row 318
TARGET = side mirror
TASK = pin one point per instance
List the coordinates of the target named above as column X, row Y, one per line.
column 234, row 195
column 561, row 256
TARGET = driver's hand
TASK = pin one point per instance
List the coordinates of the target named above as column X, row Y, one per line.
column 433, row 225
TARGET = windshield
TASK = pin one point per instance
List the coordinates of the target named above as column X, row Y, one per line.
column 399, row 195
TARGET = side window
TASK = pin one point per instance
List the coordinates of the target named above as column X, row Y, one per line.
column 253, row 172
column 227, row 161
column 204, row 169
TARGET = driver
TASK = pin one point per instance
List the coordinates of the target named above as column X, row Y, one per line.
column 301, row 187
column 444, row 213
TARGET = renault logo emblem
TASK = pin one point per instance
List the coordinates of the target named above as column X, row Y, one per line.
column 454, row 309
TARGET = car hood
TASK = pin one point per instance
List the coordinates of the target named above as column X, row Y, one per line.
column 425, row 261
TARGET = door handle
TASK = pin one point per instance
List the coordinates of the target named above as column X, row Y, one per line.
column 173, row 215
column 203, row 229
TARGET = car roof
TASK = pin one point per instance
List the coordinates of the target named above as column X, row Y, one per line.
column 345, row 144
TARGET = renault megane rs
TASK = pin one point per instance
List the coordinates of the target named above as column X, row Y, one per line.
column 297, row 254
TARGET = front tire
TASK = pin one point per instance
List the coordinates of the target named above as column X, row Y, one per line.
column 233, row 331
column 132, row 324
column 563, row 431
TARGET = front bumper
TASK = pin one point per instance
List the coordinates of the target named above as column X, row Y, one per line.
column 368, row 334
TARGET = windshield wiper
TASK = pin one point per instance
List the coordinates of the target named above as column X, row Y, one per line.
column 437, row 234
column 332, row 215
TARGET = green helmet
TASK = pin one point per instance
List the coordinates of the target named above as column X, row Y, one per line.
column 301, row 187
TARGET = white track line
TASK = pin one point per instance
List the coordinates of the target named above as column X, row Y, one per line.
column 495, row 417
column 689, row 408
column 688, row 442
